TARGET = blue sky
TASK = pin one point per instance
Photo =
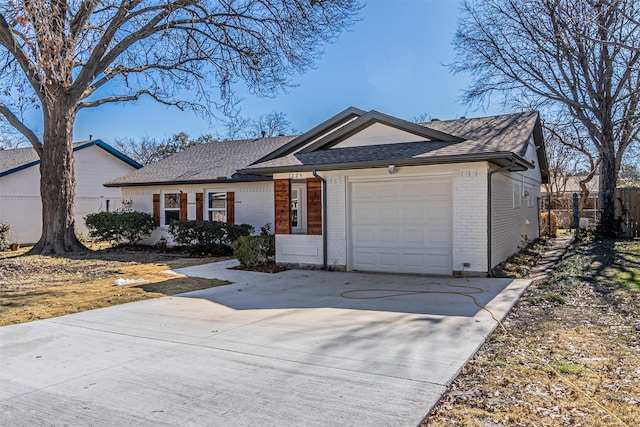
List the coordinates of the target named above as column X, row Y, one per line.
column 392, row 61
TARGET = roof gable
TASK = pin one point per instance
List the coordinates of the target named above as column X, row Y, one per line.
column 378, row 134
column 373, row 118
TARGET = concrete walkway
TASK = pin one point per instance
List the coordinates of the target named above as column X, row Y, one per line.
column 551, row 257
column 306, row 348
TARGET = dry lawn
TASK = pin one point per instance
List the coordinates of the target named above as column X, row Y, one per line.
column 571, row 356
column 40, row 287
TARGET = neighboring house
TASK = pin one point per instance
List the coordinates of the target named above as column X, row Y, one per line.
column 571, row 184
column 366, row 191
column 20, row 203
column 559, row 197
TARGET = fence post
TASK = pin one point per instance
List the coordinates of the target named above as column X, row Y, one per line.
column 549, row 215
column 576, row 214
column 539, row 215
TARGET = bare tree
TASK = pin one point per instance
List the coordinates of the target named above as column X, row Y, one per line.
column 143, row 150
column 65, row 55
column 629, row 176
column 265, row 125
column 9, row 137
column 579, row 55
column 570, row 155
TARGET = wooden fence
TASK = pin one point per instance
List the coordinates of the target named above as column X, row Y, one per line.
column 627, row 210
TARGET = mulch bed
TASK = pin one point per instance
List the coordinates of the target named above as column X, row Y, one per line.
column 270, row 267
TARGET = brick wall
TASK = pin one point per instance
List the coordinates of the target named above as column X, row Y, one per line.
column 469, row 218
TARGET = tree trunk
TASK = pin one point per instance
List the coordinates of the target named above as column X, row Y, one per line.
column 608, row 178
column 57, row 182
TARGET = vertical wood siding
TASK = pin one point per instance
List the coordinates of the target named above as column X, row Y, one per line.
column 183, row 206
column 282, row 204
column 156, row 208
column 314, row 206
column 199, row 206
column 231, row 207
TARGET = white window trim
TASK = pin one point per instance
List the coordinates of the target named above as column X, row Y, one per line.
column 163, row 209
column 205, row 205
column 301, row 189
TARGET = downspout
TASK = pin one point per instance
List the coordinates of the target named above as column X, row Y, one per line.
column 489, row 220
column 324, row 218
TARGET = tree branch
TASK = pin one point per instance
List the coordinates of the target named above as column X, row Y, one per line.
column 20, row 126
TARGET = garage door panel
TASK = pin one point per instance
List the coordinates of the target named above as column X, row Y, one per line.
column 387, row 214
column 412, row 215
column 387, row 191
column 389, row 237
column 414, row 237
column 365, row 258
column 404, row 226
column 388, row 259
column 440, row 237
column 366, row 192
column 363, row 214
column 440, row 189
column 363, row 237
column 413, row 190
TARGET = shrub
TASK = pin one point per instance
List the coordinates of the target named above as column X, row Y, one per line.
column 255, row 250
column 5, row 243
column 120, row 226
column 207, row 237
column 544, row 224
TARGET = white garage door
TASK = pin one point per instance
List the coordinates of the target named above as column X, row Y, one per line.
column 402, row 226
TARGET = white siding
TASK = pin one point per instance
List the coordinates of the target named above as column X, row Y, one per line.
column 253, row 202
column 514, row 214
column 20, row 193
column 377, row 134
column 299, row 249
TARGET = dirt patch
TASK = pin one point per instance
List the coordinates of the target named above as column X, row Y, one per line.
column 570, row 353
column 36, row 287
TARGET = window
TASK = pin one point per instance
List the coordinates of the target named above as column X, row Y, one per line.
column 217, row 206
column 297, row 208
column 171, row 207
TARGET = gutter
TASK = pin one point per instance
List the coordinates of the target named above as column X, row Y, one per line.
column 181, row 182
column 324, row 218
column 489, row 219
column 506, row 156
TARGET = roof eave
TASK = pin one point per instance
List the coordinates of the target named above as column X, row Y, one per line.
column 183, row 182
column 499, row 158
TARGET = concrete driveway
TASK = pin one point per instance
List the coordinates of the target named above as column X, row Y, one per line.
column 286, row 349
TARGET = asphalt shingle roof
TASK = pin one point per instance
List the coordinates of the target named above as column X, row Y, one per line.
column 205, row 162
column 505, row 133
column 17, row 157
column 509, row 132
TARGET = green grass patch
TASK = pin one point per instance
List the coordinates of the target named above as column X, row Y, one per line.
column 622, row 271
column 566, row 367
column 494, row 362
